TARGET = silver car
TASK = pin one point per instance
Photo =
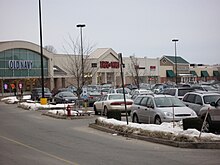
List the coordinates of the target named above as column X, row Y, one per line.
column 200, row 102
column 159, row 108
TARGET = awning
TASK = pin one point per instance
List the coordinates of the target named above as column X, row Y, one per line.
column 170, row 73
column 58, row 71
column 193, row 73
column 204, row 74
column 216, row 73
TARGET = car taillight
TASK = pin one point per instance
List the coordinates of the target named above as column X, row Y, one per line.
column 116, row 103
column 128, row 103
column 91, row 97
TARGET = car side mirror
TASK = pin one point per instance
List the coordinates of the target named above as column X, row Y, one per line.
column 150, row 106
column 213, row 104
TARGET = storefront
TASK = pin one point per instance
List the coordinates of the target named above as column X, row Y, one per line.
column 20, row 66
column 105, row 65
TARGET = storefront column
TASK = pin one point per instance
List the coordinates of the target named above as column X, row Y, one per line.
column 115, row 78
column 95, row 78
column 2, row 87
column 105, row 77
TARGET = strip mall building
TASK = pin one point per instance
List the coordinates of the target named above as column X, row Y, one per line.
column 20, row 64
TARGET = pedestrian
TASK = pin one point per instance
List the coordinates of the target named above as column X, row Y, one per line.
column 21, row 93
column 15, row 91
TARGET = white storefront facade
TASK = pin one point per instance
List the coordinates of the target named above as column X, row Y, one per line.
column 108, row 68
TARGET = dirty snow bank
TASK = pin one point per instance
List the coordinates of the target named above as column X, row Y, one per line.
column 165, row 130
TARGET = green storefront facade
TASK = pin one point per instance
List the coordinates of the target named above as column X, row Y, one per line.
column 20, row 66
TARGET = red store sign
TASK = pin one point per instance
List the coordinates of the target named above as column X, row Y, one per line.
column 107, row 64
column 152, row 67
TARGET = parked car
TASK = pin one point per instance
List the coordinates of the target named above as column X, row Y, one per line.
column 157, row 88
column 120, row 90
column 72, row 88
column 200, row 102
column 214, row 116
column 104, row 91
column 64, row 97
column 90, row 95
column 208, row 88
column 138, row 92
column 36, row 94
column 156, row 109
column 56, row 91
column 141, row 91
column 114, row 101
column 178, row 92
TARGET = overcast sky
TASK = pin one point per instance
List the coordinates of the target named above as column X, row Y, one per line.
column 131, row 27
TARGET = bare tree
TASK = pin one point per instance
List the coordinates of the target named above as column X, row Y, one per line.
column 134, row 71
column 74, row 66
column 50, row 48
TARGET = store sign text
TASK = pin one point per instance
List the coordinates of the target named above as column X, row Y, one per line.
column 152, row 67
column 20, row 64
column 107, row 64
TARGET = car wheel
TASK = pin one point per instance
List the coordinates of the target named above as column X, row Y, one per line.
column 94, row 108
column 135, row 119
column 105, row 111
column 129, row 113
column 157, row 120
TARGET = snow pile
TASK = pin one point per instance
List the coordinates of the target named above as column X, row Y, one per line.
column 63, row 112
column 14, row 99
column 10, row 100
column 165, row 130
column 38, row 106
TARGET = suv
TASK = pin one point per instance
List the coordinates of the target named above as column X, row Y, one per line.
column 36, row 94
column 178, row 92
column 159, row 108
column 200, row 102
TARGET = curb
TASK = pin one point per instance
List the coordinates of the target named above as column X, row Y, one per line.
column 191, row 145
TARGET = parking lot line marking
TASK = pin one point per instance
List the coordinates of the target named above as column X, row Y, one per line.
column 35, row 149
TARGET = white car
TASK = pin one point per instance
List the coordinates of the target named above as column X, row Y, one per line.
column 155, row 109
column 112, row 102
column 120, row 90
column 137, row 92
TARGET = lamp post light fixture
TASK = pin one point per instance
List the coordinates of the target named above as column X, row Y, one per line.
column 81, row 50
column 175, row 41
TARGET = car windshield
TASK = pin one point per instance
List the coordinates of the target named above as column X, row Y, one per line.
column 121, row 91
column 68, row 94
column 116, row 97
column 210, row 98
column 39, row 90
column 168, row 102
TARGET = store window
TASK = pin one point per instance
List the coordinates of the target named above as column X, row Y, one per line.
column 21, row 63
column 94, row 65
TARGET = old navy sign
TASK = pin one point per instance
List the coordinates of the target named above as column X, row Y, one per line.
column 20, row 64
column 107, row 64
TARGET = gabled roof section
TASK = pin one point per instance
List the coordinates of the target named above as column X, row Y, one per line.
column 101, row 52
column 179, row 59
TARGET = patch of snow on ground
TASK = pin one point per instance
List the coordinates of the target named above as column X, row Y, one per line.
column 177, row 130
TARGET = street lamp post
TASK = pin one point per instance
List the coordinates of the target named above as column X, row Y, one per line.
column 175, row 40
column 81, row 51
column 41, row 50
